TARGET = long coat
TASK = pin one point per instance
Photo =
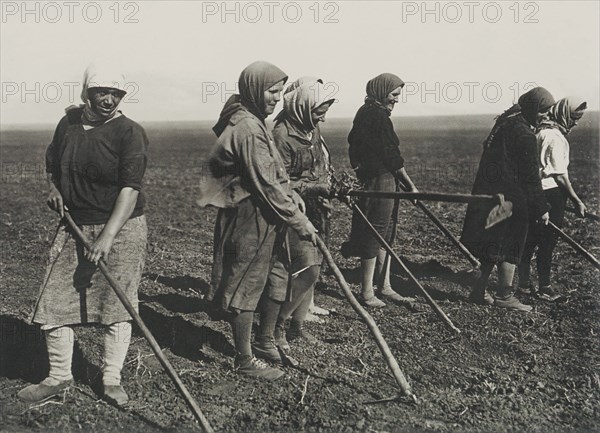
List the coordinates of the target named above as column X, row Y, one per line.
column 509, row 165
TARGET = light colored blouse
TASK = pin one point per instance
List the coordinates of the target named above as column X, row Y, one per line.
column 554, row 156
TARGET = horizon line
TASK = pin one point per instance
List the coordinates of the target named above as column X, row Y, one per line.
column 13, row 125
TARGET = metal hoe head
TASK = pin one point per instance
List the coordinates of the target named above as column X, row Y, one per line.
column 499, row 213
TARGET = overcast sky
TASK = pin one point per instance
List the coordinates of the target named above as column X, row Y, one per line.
column 182, row 59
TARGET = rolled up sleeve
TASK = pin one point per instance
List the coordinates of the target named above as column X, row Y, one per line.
column 133, row 158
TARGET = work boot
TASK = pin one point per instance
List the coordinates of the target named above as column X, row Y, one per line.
column 527, row 289
column 297, row 332
column 481, row 297
column 511, row 302
column 547, row 293
column 252, row 367
column 280, row 339
column 266, row 349
column 45, row 390
column 115, row 395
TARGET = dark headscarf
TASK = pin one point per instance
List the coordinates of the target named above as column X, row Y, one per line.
column 537, row 100
column 564, row 115
column 254, row 81
column 381, row 86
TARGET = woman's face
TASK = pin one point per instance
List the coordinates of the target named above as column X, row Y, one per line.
column 271, row 97
column 392, row 98
column 104, row 100
column 318, row 114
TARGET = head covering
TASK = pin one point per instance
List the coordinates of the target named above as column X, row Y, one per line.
column 300, row 81
column 381, row 86
column 300, row 99
column 292, row 86
column 254, row 81
column 100, row 75
column 535, row 101
column 564, row 115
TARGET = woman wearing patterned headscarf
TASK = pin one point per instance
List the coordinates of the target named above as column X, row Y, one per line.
column 375, row 156
column 554, row 158
column 306, row 159
column 508, row 166
column 247, row 181
column 95, row 166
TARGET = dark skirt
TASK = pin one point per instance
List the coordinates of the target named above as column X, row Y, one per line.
column 379, row 212
column 74, row 290
column 505, row 241
column 246, row 248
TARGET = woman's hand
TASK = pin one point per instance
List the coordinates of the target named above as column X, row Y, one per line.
column 580, row 208
column 308, row 232
column 55, row 201
column 100, row 248
column 326, row 205
column 545, row 219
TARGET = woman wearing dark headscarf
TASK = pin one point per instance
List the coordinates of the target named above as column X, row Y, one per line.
column 95, row 166
column 375, row 156
column 247, row 181
column 554, row 158
column 306, row 158
column 509, row 166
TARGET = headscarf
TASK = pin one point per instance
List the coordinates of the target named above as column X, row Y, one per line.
column 535, row 101
column 564, row 114
column 381, row 86
column 254, row 81
column 300, row 81
column 301, row 98
column 292, row 86
column 100, row 75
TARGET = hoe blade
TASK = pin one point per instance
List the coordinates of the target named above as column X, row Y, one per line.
column 499, row 213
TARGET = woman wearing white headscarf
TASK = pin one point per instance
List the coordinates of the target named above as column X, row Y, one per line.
column 306, row 158
column 554, row 158
column 247, row 181
column 95, row 165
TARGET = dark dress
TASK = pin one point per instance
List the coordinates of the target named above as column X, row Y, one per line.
column 247, row 181
column 375, row 156
column 509, row 165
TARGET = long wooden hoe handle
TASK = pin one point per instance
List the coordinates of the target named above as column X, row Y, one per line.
column 145, row 331
column 373, row 328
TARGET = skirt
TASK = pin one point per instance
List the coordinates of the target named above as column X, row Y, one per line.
column 75, row 291
column 379, row 212
column 247, row 247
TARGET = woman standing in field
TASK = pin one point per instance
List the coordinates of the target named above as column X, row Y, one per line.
column 95, row 164
column 509, row 166
column 306, row 159
column 247, row 181
column 375, row 156
column 554, row 158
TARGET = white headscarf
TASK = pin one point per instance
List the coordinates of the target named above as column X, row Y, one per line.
column 299, row 103
column 100, row 75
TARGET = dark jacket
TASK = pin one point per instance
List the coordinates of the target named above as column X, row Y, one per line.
column 374, row 146
column 509, row 165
